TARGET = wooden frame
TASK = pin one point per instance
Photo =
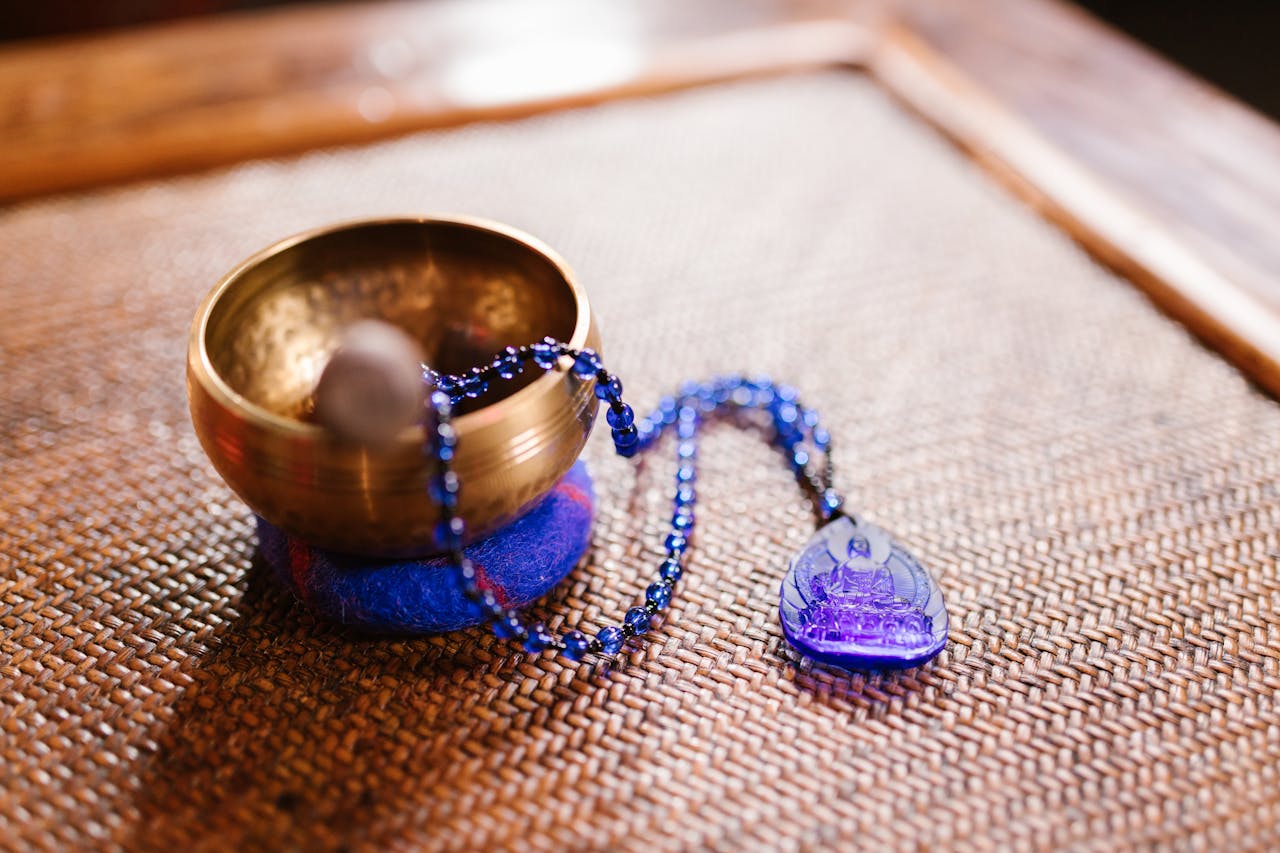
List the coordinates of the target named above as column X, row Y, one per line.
column 1171, row 182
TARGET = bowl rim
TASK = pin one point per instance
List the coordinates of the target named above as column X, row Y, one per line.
column 226, row 396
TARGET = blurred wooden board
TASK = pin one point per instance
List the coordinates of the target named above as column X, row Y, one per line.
column 1170, row 181
column 194, row 94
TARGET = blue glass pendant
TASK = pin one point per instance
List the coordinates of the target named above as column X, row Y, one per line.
column 855, row 598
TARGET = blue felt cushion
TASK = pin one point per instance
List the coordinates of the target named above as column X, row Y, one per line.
column 519, row 564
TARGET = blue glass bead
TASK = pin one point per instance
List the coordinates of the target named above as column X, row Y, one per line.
column 442, row 404
column 446, row 435
column 444, row 486
column 620, row 417
column 611, row 640
column 686, row 474
column 626, row 437
column 448, row 385
column 545, row 355
column 587, row 363
column 668, row 407
column 475, row 386
column 831, row 501
column 475, row 597
column 809, row 418
column 687, row 450
column 670, row 570
column 686, row 495
column 787, row 394
column 821, row 438
column 507, row 627
column 508, row 364
column 608, row 387
column 658, row 594
column 450, row 533
column 682, row 521
column 800, row 458
column 742, row 396
column 676, row 543
column 575, row 645
column 646, row 433
column 787, row 413
column 488, row 601
column 628, row 451
column 538, row 640
column 788, row 436
column 637, row 619
column 445, row 453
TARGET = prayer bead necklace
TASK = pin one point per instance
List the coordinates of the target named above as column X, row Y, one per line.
column 872, row 607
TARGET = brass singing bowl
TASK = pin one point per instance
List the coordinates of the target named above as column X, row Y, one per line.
column 464, row 289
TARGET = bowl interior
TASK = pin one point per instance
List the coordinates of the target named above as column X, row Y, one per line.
column 464, row 292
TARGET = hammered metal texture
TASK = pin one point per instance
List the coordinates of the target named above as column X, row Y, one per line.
column 1096, row 494
column 263, row 335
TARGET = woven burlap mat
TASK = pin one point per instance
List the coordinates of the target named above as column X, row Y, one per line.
column 1098, row 495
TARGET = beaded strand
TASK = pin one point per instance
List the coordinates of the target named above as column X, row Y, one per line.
column 796, row 431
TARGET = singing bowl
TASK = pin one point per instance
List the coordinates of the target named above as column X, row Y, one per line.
column 464, row 289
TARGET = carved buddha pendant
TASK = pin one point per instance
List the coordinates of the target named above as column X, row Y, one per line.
column 856, row 599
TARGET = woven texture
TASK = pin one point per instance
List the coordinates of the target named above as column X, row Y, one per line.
column 1098, row 495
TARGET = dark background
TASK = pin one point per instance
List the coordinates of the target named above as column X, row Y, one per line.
column 1233, row 43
